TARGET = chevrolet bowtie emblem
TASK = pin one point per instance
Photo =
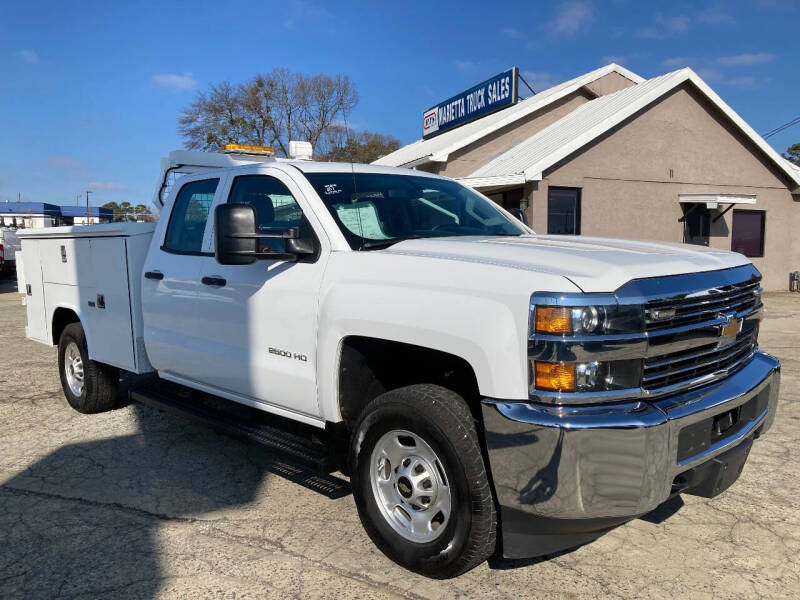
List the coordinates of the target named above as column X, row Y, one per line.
column 729, row 330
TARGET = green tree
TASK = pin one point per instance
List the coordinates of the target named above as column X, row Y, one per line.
column 363, row 147
column 793, row 153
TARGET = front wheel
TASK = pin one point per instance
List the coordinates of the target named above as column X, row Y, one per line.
column 419, row 481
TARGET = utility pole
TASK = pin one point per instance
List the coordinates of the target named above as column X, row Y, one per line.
column 78, row 199
column 87, row 205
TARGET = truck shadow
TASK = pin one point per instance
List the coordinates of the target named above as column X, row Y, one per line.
column 83, row 520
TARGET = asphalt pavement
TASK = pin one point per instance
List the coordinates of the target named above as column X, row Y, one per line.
column 137, row 503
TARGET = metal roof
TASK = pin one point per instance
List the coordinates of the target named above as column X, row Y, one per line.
column 52, row 210
column 530, row 158
column 437, row 149
column 29, row 208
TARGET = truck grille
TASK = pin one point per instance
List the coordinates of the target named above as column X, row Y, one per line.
column 686, row 365
column 691, row 309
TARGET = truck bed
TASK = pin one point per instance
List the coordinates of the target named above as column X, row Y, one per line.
column 94, row 271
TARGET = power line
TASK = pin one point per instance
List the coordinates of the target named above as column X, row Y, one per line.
column 780, row 128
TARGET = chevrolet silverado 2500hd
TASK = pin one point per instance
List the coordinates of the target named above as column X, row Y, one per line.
column 486, row 388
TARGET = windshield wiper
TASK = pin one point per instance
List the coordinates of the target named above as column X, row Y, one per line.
column 378, row 244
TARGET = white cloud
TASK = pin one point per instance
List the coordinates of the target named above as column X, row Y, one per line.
column 28, row 56
column 99, row 186
column 65, row 162
column 464, row 65
column 713, row 17
column 664, row 26
column 571, row 17
column 174, row 82
column 540, row 80
column 302, row 11
column 718, row 78
column 511, row 33
column 746, row 59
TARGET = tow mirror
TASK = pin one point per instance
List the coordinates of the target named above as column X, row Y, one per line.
column 520, row 214
column 236, row 238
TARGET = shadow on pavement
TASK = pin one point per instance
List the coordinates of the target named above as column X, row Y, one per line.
column 82, row 520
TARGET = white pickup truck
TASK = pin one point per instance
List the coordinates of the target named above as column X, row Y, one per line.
column 488, row 390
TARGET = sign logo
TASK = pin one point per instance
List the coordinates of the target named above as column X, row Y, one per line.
column 729, row 331
column 430, row 122
column 493, row 94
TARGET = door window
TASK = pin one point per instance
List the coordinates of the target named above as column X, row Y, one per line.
column 276, row 209
column 564, row 211
column 187, row 222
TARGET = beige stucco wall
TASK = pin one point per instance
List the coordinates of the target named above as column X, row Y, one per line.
column 631, row 179
column 608, row 84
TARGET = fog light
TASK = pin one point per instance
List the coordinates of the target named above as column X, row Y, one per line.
column 586, row 375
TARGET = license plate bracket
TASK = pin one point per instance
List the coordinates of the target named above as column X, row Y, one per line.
column 717, row 474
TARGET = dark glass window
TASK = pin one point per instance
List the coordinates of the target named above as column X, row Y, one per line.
column 696, row 224
column 276, row 209
column 747, row 235
column 564, row 210
column 189, row 215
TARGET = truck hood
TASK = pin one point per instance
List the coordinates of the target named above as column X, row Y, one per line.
column 593, row 264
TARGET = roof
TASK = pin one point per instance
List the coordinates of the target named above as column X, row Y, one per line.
column 29, row 208
column 437, row 149
column 52, row 210
column 527, row 160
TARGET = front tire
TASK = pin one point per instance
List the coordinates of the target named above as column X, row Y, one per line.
column 89, row 386
column 419, row 481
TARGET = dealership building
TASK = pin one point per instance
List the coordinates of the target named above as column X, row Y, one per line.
column 612, row 154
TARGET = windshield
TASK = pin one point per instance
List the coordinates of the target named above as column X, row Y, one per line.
column 375, row 210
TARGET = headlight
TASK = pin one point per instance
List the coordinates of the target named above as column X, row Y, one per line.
column 590, row 376
column 586, row 320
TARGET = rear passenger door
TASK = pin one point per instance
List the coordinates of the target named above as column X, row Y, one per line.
column 173, row 328
column 261, row 319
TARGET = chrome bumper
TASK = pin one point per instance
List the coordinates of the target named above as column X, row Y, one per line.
column 606, row 463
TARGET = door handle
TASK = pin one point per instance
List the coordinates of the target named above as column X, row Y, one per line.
column 153, row 275
column 217, row 281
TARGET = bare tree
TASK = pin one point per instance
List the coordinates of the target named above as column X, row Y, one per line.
column 269, row 109
column 363, row 147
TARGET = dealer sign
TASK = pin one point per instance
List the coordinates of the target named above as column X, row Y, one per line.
column 493, row 94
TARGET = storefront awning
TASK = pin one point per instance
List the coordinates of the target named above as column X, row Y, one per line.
column 714, row 200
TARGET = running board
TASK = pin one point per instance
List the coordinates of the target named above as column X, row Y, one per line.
column 296, row 442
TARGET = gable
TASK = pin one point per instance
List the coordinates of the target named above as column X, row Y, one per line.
column 681, row 138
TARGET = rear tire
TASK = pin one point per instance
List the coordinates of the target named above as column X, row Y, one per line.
column 89, row 386
column 419, row 481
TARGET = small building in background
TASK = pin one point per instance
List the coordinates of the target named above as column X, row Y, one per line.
column 28, row 215
column 612, row 154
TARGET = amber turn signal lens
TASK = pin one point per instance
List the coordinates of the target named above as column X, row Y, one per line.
column 555, row 376
column 553, row 319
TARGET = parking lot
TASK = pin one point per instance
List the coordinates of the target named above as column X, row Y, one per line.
column 136, row 503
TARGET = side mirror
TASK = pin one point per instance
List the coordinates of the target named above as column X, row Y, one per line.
column 520, row 214
column 234, row 226
column 236, row 238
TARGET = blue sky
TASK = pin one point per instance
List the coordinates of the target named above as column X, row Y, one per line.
column 90, row 92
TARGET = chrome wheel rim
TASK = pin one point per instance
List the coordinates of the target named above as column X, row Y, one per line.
column 73, row 367
column 410, row 486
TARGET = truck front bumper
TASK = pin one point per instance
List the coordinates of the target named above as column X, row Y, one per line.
column 563, row 475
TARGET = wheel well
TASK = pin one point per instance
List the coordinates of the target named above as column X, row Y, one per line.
column 61, row 318
column 370, row 367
